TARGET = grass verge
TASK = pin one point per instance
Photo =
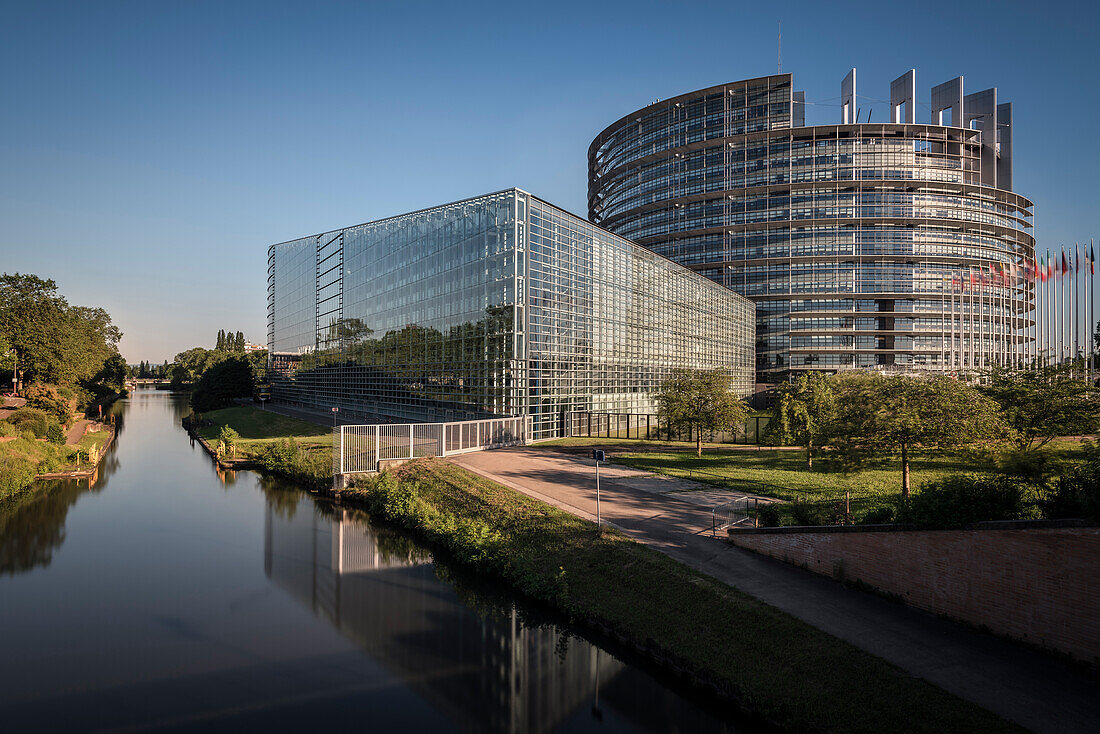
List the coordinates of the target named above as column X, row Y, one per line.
column 773, row 665
column 295, row 449
column 260, row 428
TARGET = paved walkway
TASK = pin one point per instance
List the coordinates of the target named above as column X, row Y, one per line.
column 76, row 432
column 1020, row 685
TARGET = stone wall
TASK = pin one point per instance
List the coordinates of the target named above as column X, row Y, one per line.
column 1041, row 586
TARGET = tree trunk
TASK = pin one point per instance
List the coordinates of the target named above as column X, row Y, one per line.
column 905, row 471
column 699, row 441
column 809, row 456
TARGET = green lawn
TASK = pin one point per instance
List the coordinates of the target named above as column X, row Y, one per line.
column 258, row 428
column 778, row 666
column 782, row 473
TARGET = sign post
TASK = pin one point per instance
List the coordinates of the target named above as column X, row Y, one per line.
column 599, row 456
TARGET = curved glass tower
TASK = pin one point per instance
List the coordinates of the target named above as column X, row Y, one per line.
column 874, row 245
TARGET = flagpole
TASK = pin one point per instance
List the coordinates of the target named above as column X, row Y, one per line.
column 1091, row 288
column 1076, row 305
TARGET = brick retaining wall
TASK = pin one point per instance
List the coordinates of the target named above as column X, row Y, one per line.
column 1037, row 585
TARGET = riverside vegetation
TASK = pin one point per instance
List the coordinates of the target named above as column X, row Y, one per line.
column 774, row 666
column 291, row 448
column 64, row 361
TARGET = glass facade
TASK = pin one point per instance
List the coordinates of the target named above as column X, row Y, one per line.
column 876, row 245
column 494, row 306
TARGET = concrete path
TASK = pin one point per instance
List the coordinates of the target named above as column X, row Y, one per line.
column 1020, row 685
column 76, row 432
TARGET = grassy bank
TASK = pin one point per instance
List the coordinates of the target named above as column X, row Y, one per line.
column 261, row 428
column 776, row 666
column 24, row 458
column 292, row 448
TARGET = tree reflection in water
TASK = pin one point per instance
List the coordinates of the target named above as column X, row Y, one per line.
column 32, row 524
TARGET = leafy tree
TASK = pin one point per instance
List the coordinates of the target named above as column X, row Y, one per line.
column 220, row 344
column 804, row 411
column 700, row 401
column 876, row 413
column 52, row 340
column 1043, row 403
column 191, row 364
column 227, row 379
column 238, row 343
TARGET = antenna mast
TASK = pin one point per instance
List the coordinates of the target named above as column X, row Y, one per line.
column 780, row 59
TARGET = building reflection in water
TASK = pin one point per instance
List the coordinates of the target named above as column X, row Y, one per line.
column 481, row 664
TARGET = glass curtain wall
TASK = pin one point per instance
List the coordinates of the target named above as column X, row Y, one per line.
column 494, row 306
column 864, row 246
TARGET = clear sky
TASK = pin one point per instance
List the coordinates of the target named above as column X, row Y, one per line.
column 151, row 151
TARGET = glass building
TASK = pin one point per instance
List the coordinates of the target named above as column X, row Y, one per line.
column 892, row 246
column 501, row 305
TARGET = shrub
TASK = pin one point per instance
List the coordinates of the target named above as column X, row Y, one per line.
column 962, row 499
column 16, row 474
column 7, row 430
column 290, row 460
column 879, row 516
column 48, row 400
column 1077, row 493
column 768, row 515
column 229, row 438
column 807, row 513
column 55, row 434
column 30, row 419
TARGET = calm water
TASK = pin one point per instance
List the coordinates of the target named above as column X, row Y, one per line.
column 168, row 597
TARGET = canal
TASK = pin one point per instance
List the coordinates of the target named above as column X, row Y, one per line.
column 167, row 596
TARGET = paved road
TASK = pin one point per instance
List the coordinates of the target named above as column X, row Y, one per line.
column 1029, row 688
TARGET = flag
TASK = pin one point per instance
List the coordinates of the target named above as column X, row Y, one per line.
column 1065, row 263
column 1092, row 260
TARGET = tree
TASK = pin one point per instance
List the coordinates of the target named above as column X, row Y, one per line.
column 220, row 344
column 804, row 412
column 876, row 413
column 700, row 401
column 191, row 364
column 238, row 343
column 227, row 379
column 1043, row 403
column 53, row 341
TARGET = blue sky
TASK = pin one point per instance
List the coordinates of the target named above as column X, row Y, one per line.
column 150, row 152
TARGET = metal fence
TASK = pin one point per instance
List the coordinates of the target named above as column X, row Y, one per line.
column 735, row 512
column 646, row 426
column 361, row 449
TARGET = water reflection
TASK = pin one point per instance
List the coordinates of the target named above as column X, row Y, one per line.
column 32, row 524
column 479, row 659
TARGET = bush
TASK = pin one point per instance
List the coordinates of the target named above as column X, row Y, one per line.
column 49, row 400
column 55, row 434
column 807, row 513
column 1077, row 493
column 767, row 516
column 962, row 499
column 16, row 474
column 228, row 439
column 33, row 420
column 286, row 458
column 879, row 516
column 7, row 430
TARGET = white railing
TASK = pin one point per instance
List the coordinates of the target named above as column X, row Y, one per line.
column 362, row 449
